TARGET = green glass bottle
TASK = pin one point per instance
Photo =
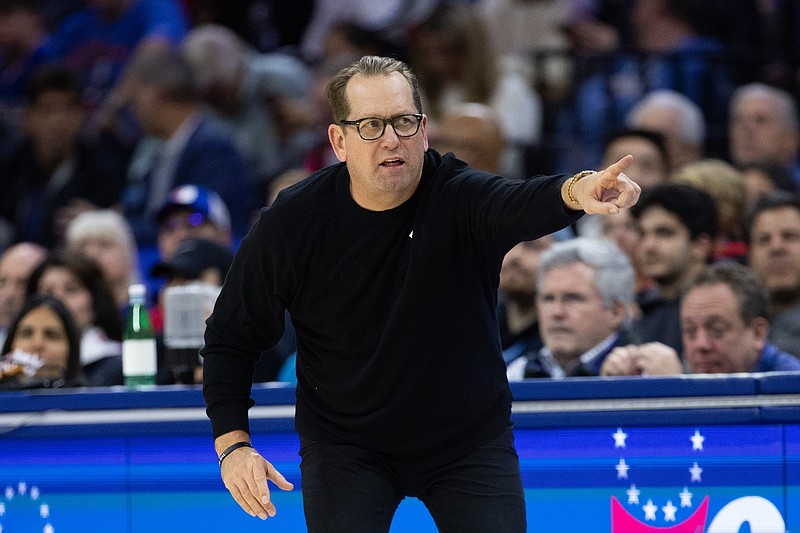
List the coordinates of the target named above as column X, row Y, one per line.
column 138, row 342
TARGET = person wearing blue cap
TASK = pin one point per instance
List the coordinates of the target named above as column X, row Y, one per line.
column 192, row 211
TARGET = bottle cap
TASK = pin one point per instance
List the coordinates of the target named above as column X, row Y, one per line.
column 137, row 290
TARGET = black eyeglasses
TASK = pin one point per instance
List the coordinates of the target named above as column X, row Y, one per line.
column 371, row 128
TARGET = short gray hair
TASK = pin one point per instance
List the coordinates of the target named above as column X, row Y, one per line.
column 613, row 273
column 693, row 123
column 786, row 106
column 106, row 223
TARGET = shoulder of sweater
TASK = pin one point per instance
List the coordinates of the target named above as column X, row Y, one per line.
column 307, row 199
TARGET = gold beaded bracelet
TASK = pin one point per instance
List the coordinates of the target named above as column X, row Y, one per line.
column 575, row 178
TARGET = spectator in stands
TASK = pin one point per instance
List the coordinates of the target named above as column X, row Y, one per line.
column 678, row 119
column 516, row 312
column 668, row 52
column 104, row 236
column 194, row 261
column 55, row 173
column 22, row 32
column 473, row 133
column 678, row 225
column 762, row 179
column 16, row 264
column 724, row 324
column 240, row 88
column 774, row 247
column 99, row 41
column 725, row 184
column 192, row 211
column 79, row 283
column 584, row 297
column 314, row 113
column 42, row 349
column 198, row 150
column 622, row 229
column 649, row 167
column 452, row 56
column 531, row 36
column 266, row 24
column 763, row 127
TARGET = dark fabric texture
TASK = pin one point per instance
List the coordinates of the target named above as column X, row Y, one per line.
column 349, row 489
column 398, row 348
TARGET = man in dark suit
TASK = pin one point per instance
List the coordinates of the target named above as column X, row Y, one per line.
column 54, row 172
column 196, row 149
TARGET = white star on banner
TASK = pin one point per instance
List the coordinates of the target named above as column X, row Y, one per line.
column 695, row 470
column 633, row 495
column 2, row 508
column 34, row 493
column 686, row 497
column 669, row 511
column 22, row 488
column 697, row 441
column 9, row 493
column 48, row 529
column 619, row 438
column 650, row 510
column 622, row 469
column 44, row 510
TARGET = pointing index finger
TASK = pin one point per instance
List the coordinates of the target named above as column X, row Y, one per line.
column 615, row 169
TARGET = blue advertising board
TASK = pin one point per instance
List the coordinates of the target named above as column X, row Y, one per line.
column 122, row 462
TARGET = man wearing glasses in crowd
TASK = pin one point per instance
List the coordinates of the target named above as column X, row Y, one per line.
column 388, row 264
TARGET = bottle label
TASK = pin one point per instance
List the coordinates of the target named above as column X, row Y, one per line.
column 139, row 357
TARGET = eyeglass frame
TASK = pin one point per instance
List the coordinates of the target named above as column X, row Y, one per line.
column 386, row 121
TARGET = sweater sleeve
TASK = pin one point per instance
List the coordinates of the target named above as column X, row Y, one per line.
column 248, row 318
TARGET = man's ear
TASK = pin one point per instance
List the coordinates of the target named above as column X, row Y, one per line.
column 336, row 138
column 760, row 327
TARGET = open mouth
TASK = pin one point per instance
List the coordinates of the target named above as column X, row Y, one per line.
column 392, row 163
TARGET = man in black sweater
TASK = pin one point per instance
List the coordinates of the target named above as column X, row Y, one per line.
column 388, row 264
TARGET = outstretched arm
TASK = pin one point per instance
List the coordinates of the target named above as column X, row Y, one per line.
column 604, row 192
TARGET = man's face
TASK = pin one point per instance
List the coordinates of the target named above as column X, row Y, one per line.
column 54, row 123
column 16, row 266
column 518, row 274
column 666, row 248
column 775, row 249
column 758, row 132
column 146, row 103
column 572, row 318
column 715, row 338
column 386, row 171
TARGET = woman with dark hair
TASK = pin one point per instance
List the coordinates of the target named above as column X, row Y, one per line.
column 42, row 349
column 79, row 283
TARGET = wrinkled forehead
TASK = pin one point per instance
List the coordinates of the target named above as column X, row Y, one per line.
column 383, row 95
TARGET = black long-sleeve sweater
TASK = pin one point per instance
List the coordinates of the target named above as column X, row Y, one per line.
column 397, row 335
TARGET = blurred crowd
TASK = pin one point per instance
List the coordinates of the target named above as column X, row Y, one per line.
column 139, row 139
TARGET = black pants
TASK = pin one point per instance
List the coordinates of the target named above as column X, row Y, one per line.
column 347, row 489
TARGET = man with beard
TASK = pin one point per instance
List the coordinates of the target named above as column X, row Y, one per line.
column 774, row 248
column 519, row 328
column 678, row 224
